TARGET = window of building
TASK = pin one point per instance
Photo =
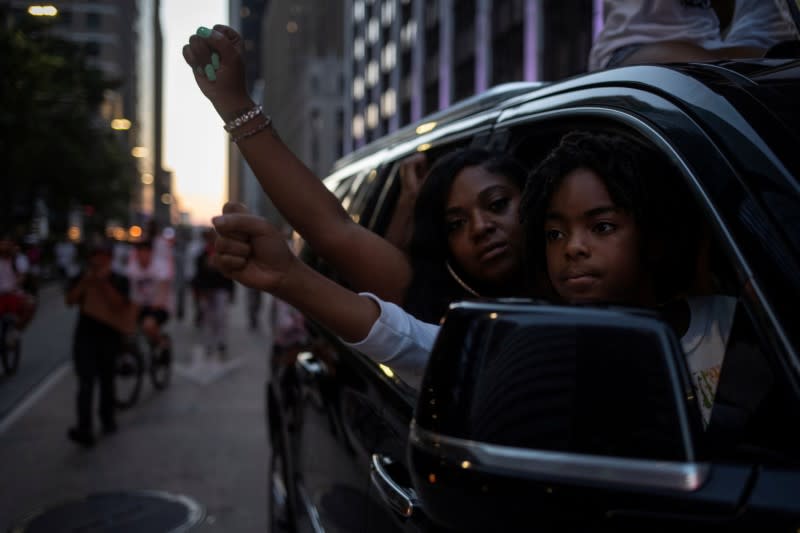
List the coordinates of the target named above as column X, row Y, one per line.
column 358, row 88
column 358, row 10
column 94, row 21
column 387, row 12
column 373, row 31
column 389, row 57
column 388, row 103
column 372, row 115
column 358, row 48
column 358, row 127
column 409, row 33
column 372, row 74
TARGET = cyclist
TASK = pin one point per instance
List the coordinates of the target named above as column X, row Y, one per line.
column 151, row 290
column 13, row 298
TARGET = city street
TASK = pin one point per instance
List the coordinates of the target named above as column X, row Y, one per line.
column 202, row 438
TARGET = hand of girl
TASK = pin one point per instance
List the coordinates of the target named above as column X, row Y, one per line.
column 216, row 60
column 250, row 250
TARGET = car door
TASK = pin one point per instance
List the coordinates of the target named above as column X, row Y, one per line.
column 734, row 177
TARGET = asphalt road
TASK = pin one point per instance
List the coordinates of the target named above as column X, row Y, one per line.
column 203, row 438
column 46, row 345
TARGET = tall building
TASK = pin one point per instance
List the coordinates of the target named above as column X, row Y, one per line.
column 405, row 59
column 298, row 79
column 303, row 77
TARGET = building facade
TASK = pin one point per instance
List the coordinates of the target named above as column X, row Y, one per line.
column 298, row 77
column 405, row 59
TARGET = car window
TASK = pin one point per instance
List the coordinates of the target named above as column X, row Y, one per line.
column 754, row 400
column 749, row 397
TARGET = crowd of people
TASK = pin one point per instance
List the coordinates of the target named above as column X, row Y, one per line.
column 119, row 288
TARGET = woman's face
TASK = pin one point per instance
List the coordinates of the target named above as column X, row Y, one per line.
column 483, row 228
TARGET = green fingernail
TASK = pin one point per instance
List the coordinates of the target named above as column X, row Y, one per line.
column 202, row 31
column 215, row 60
column 211, row 74
column 199, row 70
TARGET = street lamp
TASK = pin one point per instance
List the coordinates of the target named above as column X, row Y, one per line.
column 121, row 124
column 47, row 10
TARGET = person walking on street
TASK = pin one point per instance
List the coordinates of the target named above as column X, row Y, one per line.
column 214, row 292
column 14, row 298
column 104, row 317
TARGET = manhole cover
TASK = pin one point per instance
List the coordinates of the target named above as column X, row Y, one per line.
column 120, row 512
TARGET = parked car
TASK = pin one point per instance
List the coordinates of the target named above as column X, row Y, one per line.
column 539, row 417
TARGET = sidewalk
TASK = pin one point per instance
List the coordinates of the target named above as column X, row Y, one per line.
column 201, row 438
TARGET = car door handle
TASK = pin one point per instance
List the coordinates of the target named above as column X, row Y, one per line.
column 309, row 367
column 401, row 500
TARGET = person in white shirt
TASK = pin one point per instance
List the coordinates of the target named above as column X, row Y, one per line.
column 666, row 31
column 13, row 299
column 151, row 290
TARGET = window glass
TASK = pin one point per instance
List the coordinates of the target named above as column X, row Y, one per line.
column 93, row 21
column 738, row 372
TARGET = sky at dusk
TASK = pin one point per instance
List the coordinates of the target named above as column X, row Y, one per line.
column 194, row 141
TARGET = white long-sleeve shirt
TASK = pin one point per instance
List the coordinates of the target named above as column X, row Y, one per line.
column 398, row 340
column 404, row 343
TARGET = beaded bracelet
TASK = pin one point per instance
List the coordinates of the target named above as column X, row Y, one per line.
column 261, row 127
column 244, row 118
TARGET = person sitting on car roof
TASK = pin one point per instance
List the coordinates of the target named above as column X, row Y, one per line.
column 669, row 31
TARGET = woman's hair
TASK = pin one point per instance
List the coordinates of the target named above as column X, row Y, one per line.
column 639, row 180
column 432, row 288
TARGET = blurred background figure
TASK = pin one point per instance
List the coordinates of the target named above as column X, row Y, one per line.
column 254, row 298
column 214, row 292
column 288, row 325
column 66, row 256
column 151, row 290
column 105, row 316
column 14, row 298
column 667, row 31
column 121, row 252
column 194, row 248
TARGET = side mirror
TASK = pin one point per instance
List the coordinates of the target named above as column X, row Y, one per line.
column 536, row 414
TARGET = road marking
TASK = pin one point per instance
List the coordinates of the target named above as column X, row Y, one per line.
column 40, row 390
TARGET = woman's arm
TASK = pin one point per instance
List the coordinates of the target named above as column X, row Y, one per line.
column 254, row 253
column 309, row 207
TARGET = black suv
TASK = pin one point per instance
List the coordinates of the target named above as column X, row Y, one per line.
column 539, row 417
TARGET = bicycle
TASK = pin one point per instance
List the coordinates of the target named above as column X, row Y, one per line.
column 10, row 343
column 139, row 355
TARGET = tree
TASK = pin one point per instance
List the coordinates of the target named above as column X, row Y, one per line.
column 52, row 143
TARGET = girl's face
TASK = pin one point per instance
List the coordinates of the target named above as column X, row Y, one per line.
column 593, row 247
column 483, row 229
